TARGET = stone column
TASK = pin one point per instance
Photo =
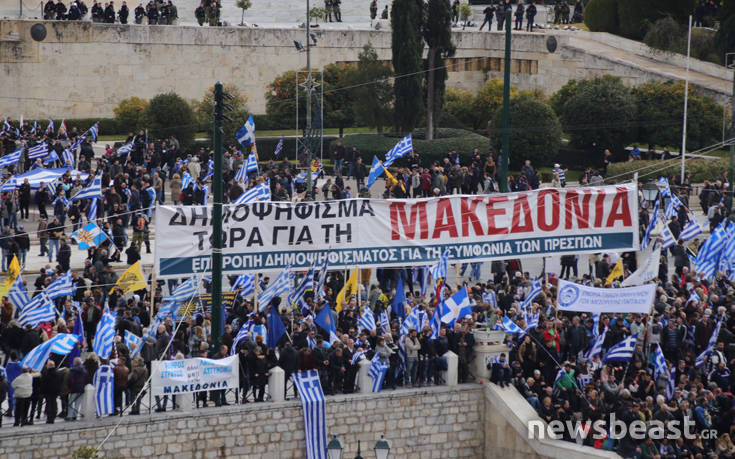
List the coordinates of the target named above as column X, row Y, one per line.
column 88, row 410
column 365, row 381
column 277, row 384
column 450, row 376
column 488, row 344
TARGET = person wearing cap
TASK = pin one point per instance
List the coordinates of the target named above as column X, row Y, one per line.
column 561, row 173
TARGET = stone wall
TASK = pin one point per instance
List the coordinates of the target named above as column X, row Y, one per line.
column 82, row 69
column 435, row 422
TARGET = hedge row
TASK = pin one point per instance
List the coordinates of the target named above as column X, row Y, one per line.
column 701, row 169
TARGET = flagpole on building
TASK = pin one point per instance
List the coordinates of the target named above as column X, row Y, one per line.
column 309, row 91
column 686, row 100
column 217, row 221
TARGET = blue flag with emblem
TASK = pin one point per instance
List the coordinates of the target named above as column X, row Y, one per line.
column 246, row 134
column 376, row 170
column 89, row 236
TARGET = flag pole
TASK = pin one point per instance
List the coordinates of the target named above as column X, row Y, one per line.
column 153, row 298
column 255, row 292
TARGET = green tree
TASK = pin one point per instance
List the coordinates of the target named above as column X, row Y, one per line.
column 459, row 105
column 407, row 46
column 660, row 108
column 438, row 36
column 204, row 109
column 338, row 107
column 535, row 130
column 373, row 93
column 487, row 101
column 280, row 100
column 243, row 5
column 600, row 115
column 725, row 37
column 169, row 114
column 129, row 113
column 602, row 16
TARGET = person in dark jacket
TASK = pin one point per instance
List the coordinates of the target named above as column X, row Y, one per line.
column 64, row 256
column 49, row 11
column 60, row 11
column 288, row 360
column 530, row 16
column 123, row 13
column 78, row 379
column 519, row 16
column 136, row 382
column 259, row 374
column 110, row 13
column 49, row 386
column 139, row 13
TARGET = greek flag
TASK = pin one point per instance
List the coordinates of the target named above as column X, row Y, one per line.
column 651, row 225
column 384, row 322
column 671, row 383
column 133, row 342
column 535, row 290
column 186, row 179
column 456, row 307
column 709, row 253
column 38, row 151
column 622, row 351
column 491, row 299
column 668, row 237
column 247, row 284
column 104, row 390
column 439, row 270
column 311, row 342
column 376, row 170
column 596, row 324
column 596, row 348
column 319, row 290
column 210, row 169
column 125, row 149
column 693, row 297
column 377, row 372
column 260, row 192
column 39, row 309
column 297, row 296
column 94, row 131
column 259, row 330
column 185, row 290
column 62, row 286
column 52, row 156
column 277, row 288
column 358, row 356
column 17, row 293
column 252, row 163
column 242, row 333
column 402, row 148
column 663, row 185
column 50, row 127
column 510, row 327
column 691, row 229
column 710, row 345
column 659, row 363
column 91, row 191
column 246, row 134
column 279, row 148
column 64, row 343
column 92, row 211
column 36, row 358
column 410, row 322
column 68, row 157
column 105, row 336
column 672, row 206
column 312, row 401
column 11, row 158
column 241, row 175
column 531, row 321
column 180, row 163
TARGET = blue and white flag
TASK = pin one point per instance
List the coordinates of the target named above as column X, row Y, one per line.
column 595, row 324
column 402, row 148
column 11, row 158
column 133, row 342
column 312, row 401
column 596, row 348
column 358, row 356
column 94, row 131
column 260, row 192
column 668, row 238
column 64, row 343
column 652, row 222
column 377, row 372
column 702, row 357
column 50, row 128
column 246, row 282
column 38, row 151
column 439, row 270
column 672, row 206
column 242, row 174
column 456, row 307
column 491, row 299
column 39, row 309
column 279, row 148
column 246, row 134
column 89, row 236
column 621, row 351
column 185, row 291
column 659, row 363
column 367, row 320
column 244, row 331
column 384, row 322
column 376, row 170
column 210, row 169
column 105, row 336
column 671, row 383
column 534, row 291
column 68, row 158
column 104, row 390
column 709, row 253
column 37, row 357
column 326, row 322
column 297, row 296
column 125, row 149
column 319, row 289
column 691, row 230
column 92, row 211
column 62, row 286
column 252, row 163
column 91, row 191
column 186, row 179
column 510, row 327
column 258, row 330
column 277, row 288
column 17, row 293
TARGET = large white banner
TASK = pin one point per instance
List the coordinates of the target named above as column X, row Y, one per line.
column 381, row 233
column 171, row 377
column 575, row 297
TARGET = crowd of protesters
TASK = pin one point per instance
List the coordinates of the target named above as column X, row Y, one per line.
column 680, row 323
column 154, row 12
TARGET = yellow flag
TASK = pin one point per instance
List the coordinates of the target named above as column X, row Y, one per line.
column 131, row 280
column 350, row 288
column 13, row 271
column 616, row 272
column 390, row 176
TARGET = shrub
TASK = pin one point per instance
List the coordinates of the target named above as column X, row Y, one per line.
column 602, row 16
column 701, row 169
column 600, row 115
column 487, row 101
column 129, row 113
column 665, row 35
column 535, row 131
column 634, row 17
column 204, row 109
column 168, row 114
column 458, row 105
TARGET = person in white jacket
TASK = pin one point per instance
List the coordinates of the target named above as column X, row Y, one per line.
column 23, row 388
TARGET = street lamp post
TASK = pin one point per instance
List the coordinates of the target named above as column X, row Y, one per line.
column 335, row 448
column 382, row 448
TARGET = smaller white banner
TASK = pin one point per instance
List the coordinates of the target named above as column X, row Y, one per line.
column 575, row 297
column 171, row 377
column 647, row 271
